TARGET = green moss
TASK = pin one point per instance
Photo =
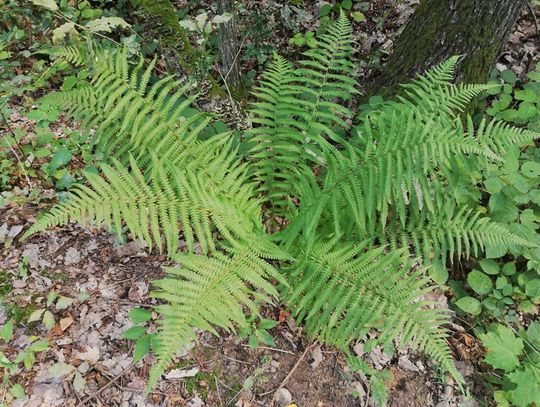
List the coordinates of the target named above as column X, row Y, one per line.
column 55, row 275
column 201, row 384
column 5, row 282
column 18, row 313
column 172, row 37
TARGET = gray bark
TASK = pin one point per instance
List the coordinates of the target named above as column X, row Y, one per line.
column 439, row 29
column 228, row 44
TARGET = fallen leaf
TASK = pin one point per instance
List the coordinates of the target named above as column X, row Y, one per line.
column 179, row 374
column 79, row 383
column 66, row 322
column 64, row 302
column 60, row 369
column 90, row 355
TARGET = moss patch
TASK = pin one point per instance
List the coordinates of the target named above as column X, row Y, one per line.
column 61, row 276
column 201, row 384
column 5, row 282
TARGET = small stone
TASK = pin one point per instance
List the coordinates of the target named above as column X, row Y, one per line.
column 283, row 397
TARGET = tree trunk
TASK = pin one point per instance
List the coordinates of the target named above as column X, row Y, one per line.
column 179, row 55
column 228, row 44
column 439, row 29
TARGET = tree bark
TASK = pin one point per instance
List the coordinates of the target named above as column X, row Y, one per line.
column 179, row 55
column 228, row 43
column 439, row 29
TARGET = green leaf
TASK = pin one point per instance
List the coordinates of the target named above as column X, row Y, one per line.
column 79, row 383
column 64, row 302
column 532, row 288
column 358, row 16
column 60, row 158
column 494, row 185
column 490, row 266
column 267, row 323
column 501, row 398
column 51, row 297
column 534, row 76
column 37, row 115
column 470, row 305
column 346, row 4
column 253, row 342
column 106, row 24
column 17, row 391
column 48, row 319
column 531, row 169
column 527, row 391
column 140, row 315
column 509, row 76
column 265, row 338
column 479, row 282
column 438, row 272
column 142, row 347
column 501, row 282
column 223, row 18
column 48, row 4
column 509, row 269
column 6, row 332
column 134, row 332
column 527, row 95
column 60, row 32
column 36, row 315
column 325, row 10
column 533, row 334
column 38, row 346
column 503, row 348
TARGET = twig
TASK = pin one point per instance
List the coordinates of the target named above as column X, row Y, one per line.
column 284, row 381
column 272, row 349
column 111, row 382
column 233, row 104
column 14, row 152
column 141, row 391
column 218, row 392
column 533, row 14
column 237, row 361
column 236, row 57
column 125, row 302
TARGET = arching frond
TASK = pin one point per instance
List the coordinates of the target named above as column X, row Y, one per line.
column 342, row 291
column 208, row 292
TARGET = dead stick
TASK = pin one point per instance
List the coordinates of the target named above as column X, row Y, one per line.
column 111, row 382
column 284, row 382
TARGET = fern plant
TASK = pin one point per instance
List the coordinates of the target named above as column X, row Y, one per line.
column 362, row 211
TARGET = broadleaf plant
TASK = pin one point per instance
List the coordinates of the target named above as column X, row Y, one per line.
column 339, row 222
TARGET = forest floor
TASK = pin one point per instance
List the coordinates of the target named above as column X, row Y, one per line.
column 104, row 280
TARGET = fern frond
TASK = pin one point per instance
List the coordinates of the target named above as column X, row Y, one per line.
column 298, row 113
column 499, row 135
column 342, row 291
column 129, row 117
column 206, row 293
column 443, row 234
column 75, row 55
column 162, row 205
